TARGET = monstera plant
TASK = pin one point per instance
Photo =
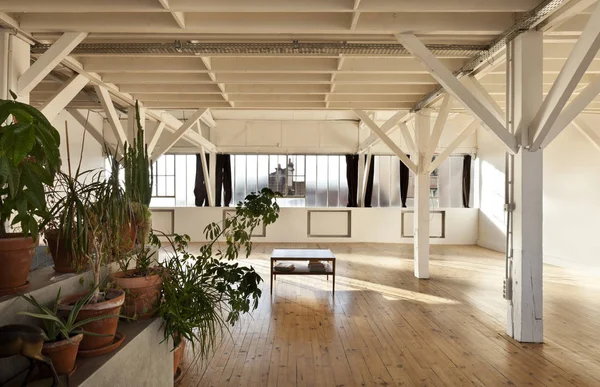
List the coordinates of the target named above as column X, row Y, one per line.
column 29, row 160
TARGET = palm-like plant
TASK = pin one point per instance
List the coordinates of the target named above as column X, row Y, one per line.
column 57, row 327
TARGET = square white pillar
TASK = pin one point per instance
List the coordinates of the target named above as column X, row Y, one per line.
column 14, row 61
column 422, row 190
column 524, row 322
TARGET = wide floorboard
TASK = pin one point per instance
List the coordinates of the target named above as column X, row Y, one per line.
column 386, row 328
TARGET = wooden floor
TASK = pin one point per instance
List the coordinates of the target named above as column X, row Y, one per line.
column 387, row 328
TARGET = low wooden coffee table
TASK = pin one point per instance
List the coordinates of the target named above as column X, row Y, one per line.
column 301, row 259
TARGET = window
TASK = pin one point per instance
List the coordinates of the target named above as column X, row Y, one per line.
column 163, row 176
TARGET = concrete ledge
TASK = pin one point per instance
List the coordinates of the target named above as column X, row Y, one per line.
column 142, row 360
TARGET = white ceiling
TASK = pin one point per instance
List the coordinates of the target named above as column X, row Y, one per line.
column 296, row 85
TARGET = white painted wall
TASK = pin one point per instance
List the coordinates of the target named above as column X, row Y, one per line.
column 571, row 191
column 92, row 150
column 571, row 205
column 490, row 191
column 379, row 225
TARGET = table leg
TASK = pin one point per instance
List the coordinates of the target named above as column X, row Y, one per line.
column 333, row 275
column 271, row 283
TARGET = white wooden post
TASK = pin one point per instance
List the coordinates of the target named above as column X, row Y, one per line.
column 213, row 177
column 421, row 211
column 14, row 62
column 525, row 322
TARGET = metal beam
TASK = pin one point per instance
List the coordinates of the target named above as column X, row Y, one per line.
column 48, row 61
column 583, row 54
column 63, row 96
column 388, row 141
column 111, row 115
column 570, row 112
column 453, row 145
column 178, row 134
column 453, row 86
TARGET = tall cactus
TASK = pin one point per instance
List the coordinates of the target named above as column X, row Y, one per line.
column 138, row 179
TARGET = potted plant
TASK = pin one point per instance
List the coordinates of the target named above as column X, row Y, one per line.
column 29, row 160
column 142, row 283
column 64, row 333
column 202, row 294
column 107, row 210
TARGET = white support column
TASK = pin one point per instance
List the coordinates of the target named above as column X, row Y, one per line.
column 421, row 209
column 525, row 322
column 48, row 61
column 213, row 177
column 363, row 188
column 361, row 177
column 63, row 96
column 14, row 61
column 209, row 190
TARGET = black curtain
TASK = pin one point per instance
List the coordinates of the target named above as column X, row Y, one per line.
column 369, row 190
column 200, row 186
column 404, row 174
column 223, row 180
column 352, row 179
column 466, row 180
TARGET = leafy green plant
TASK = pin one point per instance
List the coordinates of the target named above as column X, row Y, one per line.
column 56, row 326
column 136, row 162
column 205, row 293
column 29, row 160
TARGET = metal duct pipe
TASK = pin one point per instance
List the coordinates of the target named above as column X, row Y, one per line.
column 294, row 48
column 530, row 20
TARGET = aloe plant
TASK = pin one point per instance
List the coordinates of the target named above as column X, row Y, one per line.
column 57, row 327
column 29, row 160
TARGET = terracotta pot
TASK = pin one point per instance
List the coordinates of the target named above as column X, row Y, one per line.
column 141, row 293
column 16, row 254
column 108, row 326
column 178, row 355
column 63, row 354
column 61, row 255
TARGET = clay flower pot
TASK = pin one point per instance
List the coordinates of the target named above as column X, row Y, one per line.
column 63, row 262
column 111, row 306
column 141, row 293
column 16, row 254
column 178, row 355
column 63, row 354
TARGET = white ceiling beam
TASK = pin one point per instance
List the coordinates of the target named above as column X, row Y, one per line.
column 387, row 128
column 48, row 61
column 160, row 126
column 410, row 143
column 174, row 137
column 94, row 131
column 388, row 141
column 111, row 115
column 63, row 96
column 588, row 132
column 179, row 16
column 355, row 15
column 579, row 60
column 208, row 64
column 453, row 86
column 453, row 145
column 570, row 113
column 477, row 89
column 436, row 133
column 269, row 6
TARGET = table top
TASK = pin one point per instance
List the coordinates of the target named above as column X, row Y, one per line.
column 302, row 254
